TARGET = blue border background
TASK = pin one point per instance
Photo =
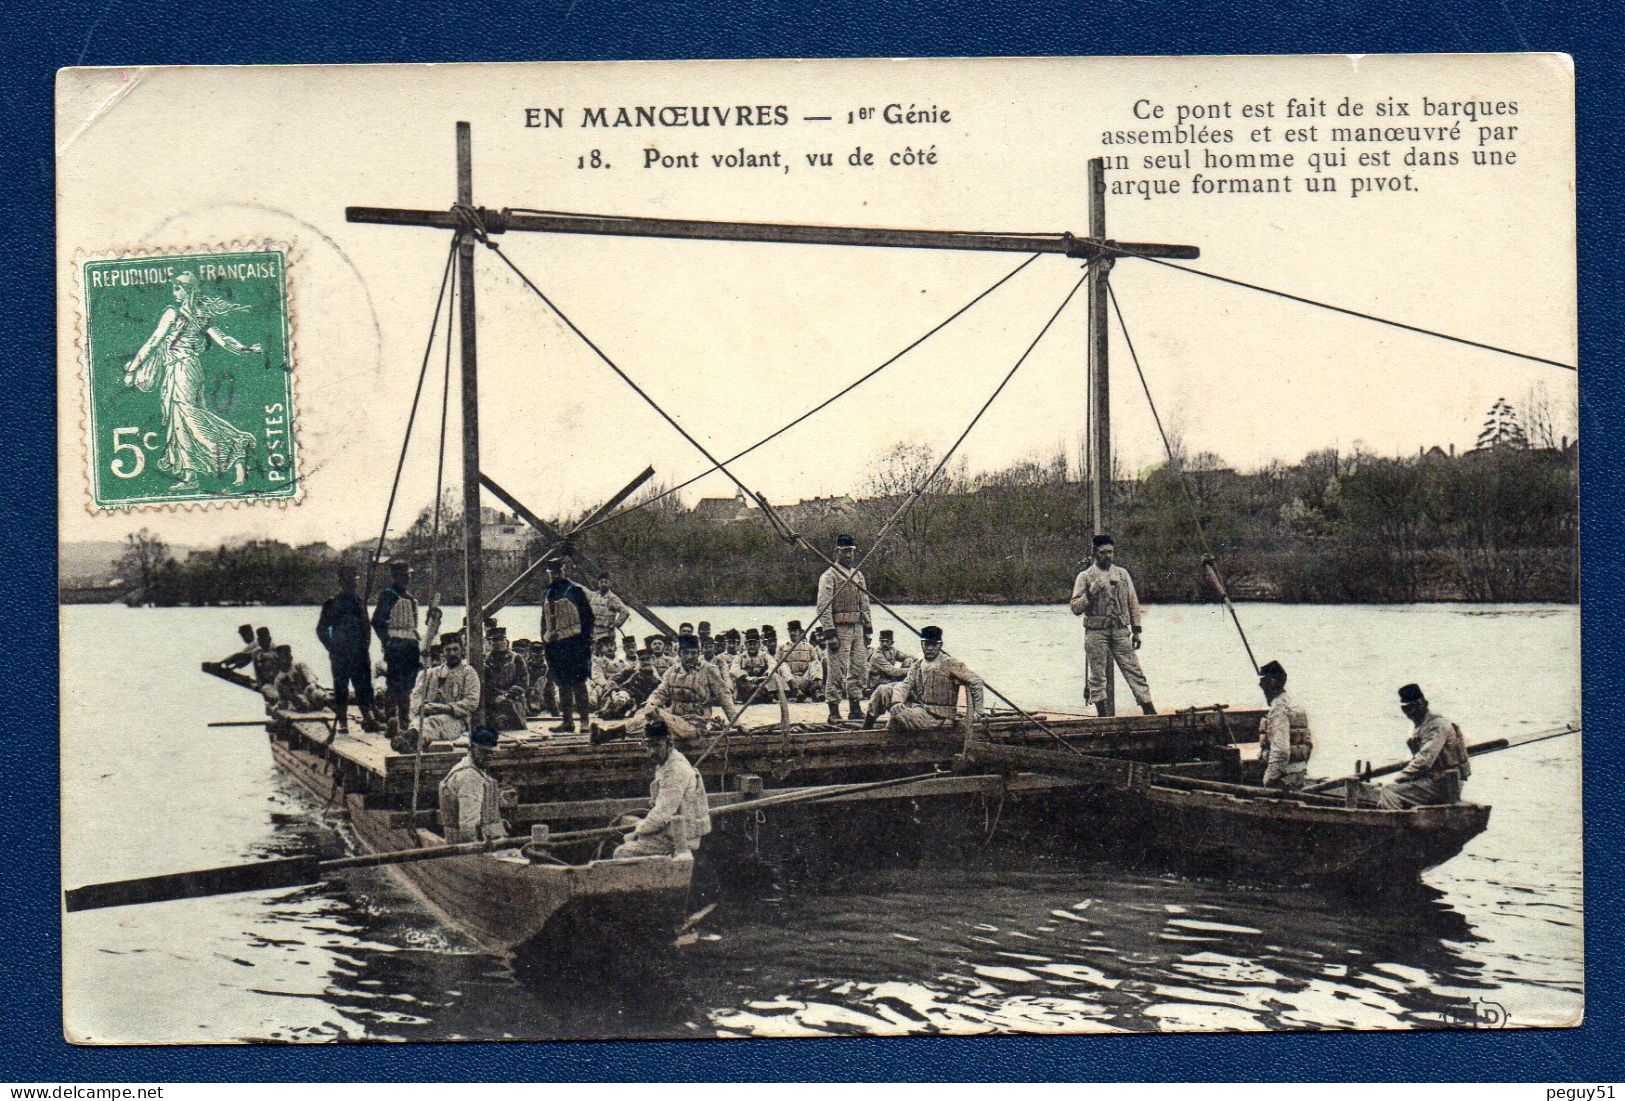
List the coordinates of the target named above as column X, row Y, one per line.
column 44, row 36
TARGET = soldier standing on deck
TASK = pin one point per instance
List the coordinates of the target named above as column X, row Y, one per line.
column 343, row 632
column 1439, row 763
column 1284, row 741
column 567, row 631
column 1104, row 595
column 395, row 621
column 609, row 612
column 843, row 607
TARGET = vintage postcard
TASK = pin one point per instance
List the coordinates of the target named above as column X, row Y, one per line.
column 807, row 548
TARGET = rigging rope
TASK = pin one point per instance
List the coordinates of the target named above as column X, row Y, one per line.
column 928, row 334
column 472, row 218
column 848, row 579
column 1344, row 310
column 400, row 464
column 1208, row 559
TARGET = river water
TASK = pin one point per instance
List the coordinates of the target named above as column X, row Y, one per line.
column 998, row 944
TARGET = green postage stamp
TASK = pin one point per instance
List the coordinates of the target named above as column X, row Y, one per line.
column 189, row 379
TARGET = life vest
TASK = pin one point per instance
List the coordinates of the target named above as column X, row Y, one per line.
column 753, row 665
column 490, row 824
column 403, row 618
column 798, row 658
column 561, row 617
column 688, row 693
column 1300, row 741
column 934, row 686
column 1453, row 759
column 846, row 607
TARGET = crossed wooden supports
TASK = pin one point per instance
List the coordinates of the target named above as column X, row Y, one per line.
column 558, row 539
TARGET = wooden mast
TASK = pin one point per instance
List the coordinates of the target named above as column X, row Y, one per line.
column 472, row 573
column 1100, row 392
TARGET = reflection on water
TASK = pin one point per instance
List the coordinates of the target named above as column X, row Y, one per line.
column 1005, row 942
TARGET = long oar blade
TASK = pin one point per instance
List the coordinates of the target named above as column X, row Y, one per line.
column 232, row 879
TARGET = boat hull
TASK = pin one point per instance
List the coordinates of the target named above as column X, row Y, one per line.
column 508, row 904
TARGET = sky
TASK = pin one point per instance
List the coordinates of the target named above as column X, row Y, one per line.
column 735, row 339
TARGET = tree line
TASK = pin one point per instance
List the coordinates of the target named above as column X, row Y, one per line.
column 1496, row 524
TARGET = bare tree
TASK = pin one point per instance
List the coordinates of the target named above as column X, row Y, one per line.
column 144, row 556
column 1547, row 421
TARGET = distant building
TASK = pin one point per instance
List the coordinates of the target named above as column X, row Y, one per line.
column 503, row 532
column 813, row 509
column 724, row 510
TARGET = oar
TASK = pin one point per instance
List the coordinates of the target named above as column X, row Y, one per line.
column 1474, row 750
column 261, row 875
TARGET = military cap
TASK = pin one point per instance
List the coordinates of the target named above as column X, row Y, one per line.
column 1411, row 693
column 931, row 634
column 263, row 633
column 1272, row 669
column 399, row 565
column 284, row 648
column 656, row 730
column 752, row 633
column 484, row 736
column 644, row 652
column 496, row 632
column 633, row 639
column 886, row 635
column 705, row 627
column 845, row 540
column 687, row 642
column 1104, row 540
column 521, row 644
column 450, row 637
column 246, row 629
column 794, row 625
column 769, row 629
column 649, row 640
column 490, row 623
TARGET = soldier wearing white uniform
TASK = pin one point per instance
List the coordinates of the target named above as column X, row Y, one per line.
column 801, row 668
column 609, row 611
column 887, row 669
column 470, row 801
column 928, row 698
column 1284, row 741
column 686, row 694
column 843, row 608
column 1104, row 596
column 679, row 813
column 446, row 698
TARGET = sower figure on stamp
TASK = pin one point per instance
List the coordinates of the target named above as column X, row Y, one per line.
column 679, row 813
column 567, row 630
column 395, row 621
column 1284, row 741
column 196, row 440
column 928, row 697
column 843, row 607
column 1439, row 763
column 445, row 700
column 343, row 631
column 1104, row 595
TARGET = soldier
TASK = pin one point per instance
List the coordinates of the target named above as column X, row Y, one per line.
column 802, row 669
column 703, row 629
column 730, row 650
column 843, row 608
column 687, row 693
column 629, row 650
column 928, row 698
column 567, row 632
column 243, row 656
column 662, row 661
column 506, row 681
column 343, row 631
column 296, row 686
column 749, row 669
column 470, row 800
column 609, row 612
column 770, row 638
column 606, row 669
column 395, row 621
column 266, row 663
column 679, row 813
column 888, row 666
column 444, row 701
column 627, row 694
column 1104, row 595
column 1284, row 741
column 1439, row 763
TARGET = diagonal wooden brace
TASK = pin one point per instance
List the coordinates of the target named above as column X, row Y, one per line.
column 556, row 536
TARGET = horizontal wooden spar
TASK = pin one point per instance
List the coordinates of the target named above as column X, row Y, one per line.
column 509, row 221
